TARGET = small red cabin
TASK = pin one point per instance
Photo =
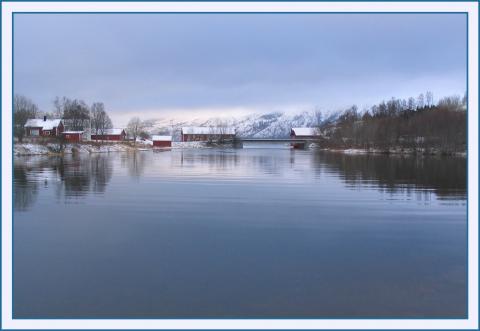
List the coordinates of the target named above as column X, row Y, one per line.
column 110, row 134
column 43, row 127
column 303, row 134
column 73, row 136
column 162, row 141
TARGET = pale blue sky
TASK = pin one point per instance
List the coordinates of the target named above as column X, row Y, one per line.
column 163, row 64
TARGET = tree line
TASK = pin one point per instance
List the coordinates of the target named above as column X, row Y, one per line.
column 413, row 123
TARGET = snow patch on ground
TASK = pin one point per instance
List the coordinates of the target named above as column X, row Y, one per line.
column 189, row 144
column 355, row 151
column 107, row 148
column 30, row 149
column 144, row 142
column 141, row 145
column 40, row 149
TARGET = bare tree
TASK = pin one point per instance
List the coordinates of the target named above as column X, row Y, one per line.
column 58, row 107
column 134, row 127
column 23, row 109
column 420, row 101
column 100, row 121
column 76, row 113
column 429, row 99
column 222, row 131
column 411, row 104
column 211, row 133
column 453, row 103
column 318, row 116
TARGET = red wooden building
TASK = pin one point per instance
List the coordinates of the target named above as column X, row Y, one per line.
column 162, row 141
column 110, row 134
column 303, row 133
column 43, row 127
column 73, row 136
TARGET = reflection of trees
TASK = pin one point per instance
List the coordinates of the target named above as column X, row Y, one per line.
column 101, row 172
column 71, row 176
column 211, row 159
column 81, row 175
column 445, row 175
column 75, row 176
column 24, row 191
column 135, row 163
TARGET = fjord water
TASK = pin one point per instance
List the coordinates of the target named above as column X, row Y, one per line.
column 239, row 233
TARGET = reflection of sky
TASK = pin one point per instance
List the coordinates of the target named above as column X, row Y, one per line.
column 280, row 231
column 171, row 64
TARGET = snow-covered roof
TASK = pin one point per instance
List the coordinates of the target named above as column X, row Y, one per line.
column 113, row 131
column 73, row 132
column 40, row 123
column 207, row 130
column 109, row 132
column 162, row 138
column 305, row 131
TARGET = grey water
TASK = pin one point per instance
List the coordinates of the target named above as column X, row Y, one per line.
column 260, row 233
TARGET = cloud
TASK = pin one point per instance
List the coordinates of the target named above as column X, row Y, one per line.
column 163, row 64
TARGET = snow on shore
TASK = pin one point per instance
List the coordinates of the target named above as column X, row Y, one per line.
column 45, row 149
column 145, row 145
column 30, row 149
column 394, row 151
column 88, row 148
column 189, row 144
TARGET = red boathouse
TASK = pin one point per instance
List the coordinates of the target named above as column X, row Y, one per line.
column 162, row 141
column 110, row 134
column 73, row 136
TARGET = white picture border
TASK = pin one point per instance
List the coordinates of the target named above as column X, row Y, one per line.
column 6, row 318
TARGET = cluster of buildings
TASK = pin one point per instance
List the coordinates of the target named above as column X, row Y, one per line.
column 55, row 127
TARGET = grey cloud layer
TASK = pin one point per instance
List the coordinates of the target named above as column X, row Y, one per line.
column 223, row 61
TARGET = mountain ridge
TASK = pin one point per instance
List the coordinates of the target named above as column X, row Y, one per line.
column 266, row 125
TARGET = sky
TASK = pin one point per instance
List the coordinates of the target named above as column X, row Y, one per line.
column 194, row 65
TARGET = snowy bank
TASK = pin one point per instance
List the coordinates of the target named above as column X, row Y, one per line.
column 49, row 149
column 86, row 147
column 141, row 145
column 189, row 144
column 394, row 151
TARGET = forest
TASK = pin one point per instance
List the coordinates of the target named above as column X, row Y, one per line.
column 413, row 124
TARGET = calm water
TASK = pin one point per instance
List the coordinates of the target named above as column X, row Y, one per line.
column 239, row 233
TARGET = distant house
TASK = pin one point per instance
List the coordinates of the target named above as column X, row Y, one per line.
column 304, row 133
column 205, row 133
column 162, row 141
column 73, row 136
column 110, row 134
column 43, row 127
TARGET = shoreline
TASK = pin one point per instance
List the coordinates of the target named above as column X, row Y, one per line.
column 50, row 149
column 394, row 152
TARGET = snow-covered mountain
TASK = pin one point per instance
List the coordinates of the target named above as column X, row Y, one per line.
column 270, row 125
